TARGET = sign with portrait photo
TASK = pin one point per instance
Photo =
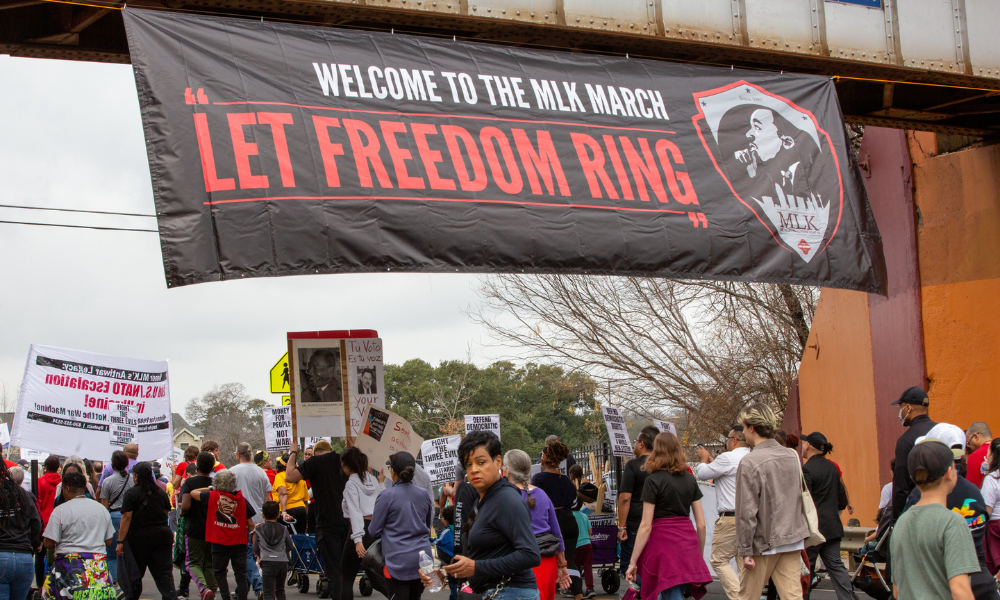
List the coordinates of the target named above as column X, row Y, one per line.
column 319, row 388
column 365, row 378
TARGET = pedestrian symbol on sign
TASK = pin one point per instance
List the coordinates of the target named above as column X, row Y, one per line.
column 279, row 376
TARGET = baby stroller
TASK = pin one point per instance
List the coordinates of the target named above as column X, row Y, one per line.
column 869, row 576
column 306, row 561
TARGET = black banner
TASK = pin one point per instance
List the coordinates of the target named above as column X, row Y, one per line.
column 99, row 371
column 280, row 149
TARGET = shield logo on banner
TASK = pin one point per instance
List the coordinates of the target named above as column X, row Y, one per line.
column 777, row 161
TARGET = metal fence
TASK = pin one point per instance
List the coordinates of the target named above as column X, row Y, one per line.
column 602, row 454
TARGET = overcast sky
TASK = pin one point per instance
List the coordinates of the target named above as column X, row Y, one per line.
column 71, row 136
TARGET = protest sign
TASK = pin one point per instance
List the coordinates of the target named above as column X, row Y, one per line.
column 384, row 433
column 123, row 425
column 277, row 427
column 311, row 441
column 440, row 458
column 665, row 426
column 67, row 396
column 365, row 378
column 617, row 432
column 483, row 423
column 30, row 455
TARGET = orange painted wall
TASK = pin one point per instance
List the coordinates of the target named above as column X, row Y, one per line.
column 958, row 242
column 837, row 393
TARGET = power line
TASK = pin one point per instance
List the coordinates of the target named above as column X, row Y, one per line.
column 78, row 210
column 80, row 226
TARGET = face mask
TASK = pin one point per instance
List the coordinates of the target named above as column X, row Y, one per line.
column 902, row 419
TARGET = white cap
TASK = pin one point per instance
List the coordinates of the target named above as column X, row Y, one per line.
column 950, row 435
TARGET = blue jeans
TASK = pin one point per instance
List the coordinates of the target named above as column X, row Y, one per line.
column 112, row 558
column 673, row 593
column 253, row 573
column 625, row 548
column 517, row 594
column 16, row 572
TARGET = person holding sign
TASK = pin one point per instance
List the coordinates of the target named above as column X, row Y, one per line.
column 501, row 550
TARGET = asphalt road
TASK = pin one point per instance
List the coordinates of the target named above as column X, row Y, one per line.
column 823, row 592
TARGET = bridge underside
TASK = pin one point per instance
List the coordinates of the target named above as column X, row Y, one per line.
column 871, row 92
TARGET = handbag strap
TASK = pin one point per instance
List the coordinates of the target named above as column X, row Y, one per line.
column 802, row 476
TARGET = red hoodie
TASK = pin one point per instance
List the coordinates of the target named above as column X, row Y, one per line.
column 47, row 495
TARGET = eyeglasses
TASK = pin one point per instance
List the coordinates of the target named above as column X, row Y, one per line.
column 731, row 437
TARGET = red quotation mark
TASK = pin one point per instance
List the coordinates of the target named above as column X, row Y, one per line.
column 698, row 219
column 189, row 98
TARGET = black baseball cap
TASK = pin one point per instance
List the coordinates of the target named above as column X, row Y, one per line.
column 914, row 395
column 816, row 439
column 929, row 461
column 587, row 492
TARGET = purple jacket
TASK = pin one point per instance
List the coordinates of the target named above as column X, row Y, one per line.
column 543, row 516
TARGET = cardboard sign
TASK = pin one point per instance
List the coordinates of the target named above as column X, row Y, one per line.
column 123, row 425
column 483, row 423
column 277, row 427
column 665, row 426
column 617, row 432
column 440, row 458
column 384, row 433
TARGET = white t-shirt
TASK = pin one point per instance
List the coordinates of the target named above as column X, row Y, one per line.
column 991, row 495
column 80, row 525
column 256, row 487
column 886, row 496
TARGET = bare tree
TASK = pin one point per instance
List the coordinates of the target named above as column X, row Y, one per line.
column 8, row 398
column 228, row 415
column 698, row 349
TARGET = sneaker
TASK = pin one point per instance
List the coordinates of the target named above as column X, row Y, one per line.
column 590, row 593
column 119, row 594
column 207, row 595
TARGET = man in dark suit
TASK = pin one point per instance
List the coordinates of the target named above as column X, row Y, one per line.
column 366, row 383
column 823, row 481
column 323, row 377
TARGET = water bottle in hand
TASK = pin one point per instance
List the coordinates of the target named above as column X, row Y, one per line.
column 427, row 567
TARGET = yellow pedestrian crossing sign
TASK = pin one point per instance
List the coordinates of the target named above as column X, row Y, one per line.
column 280, row 376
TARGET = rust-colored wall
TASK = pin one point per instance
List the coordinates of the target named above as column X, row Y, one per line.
column 958, row 241
column 837, row 393
column 896, row 330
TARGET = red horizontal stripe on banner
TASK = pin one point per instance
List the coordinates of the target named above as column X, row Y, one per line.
column 486, row 118
column 482, row 201
column 335, row 334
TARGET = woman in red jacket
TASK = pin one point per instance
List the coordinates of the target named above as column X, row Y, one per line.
column 47, row 485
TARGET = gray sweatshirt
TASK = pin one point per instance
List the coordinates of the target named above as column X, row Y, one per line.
column 272, row 542
column 359, row 502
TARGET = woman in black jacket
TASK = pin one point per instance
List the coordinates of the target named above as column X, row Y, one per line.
column 823, row 480
column 501, row 550
column 145, row 509
column 20, row 535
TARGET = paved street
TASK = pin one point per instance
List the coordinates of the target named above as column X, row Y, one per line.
column 823, row 592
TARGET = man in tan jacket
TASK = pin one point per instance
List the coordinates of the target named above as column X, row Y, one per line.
column 771, row 525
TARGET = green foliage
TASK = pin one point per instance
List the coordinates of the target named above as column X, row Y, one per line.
column 533, row 401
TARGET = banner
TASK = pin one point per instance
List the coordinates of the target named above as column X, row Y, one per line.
column 440, row 458
column 384, row 433
column 68, row 397
column 277, row 427
column 280, row 149
column 617, row 432
column 483, row 423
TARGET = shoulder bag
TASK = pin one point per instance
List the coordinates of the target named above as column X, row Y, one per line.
column 548, row 543
column 809, row 508
column 373, row 560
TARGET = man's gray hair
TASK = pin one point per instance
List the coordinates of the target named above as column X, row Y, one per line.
column 17, row 475
column 550, row 439
column 517, row 465
column 225, row 481
column 244, row 451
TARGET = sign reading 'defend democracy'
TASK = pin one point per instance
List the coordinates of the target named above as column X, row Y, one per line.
column 282, row 149
column 69, row 404
column 440, row 458
column 617, row 432
column 277, row 427
column 483, row 423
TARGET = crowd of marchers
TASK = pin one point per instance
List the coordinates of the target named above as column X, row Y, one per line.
column 506, row 529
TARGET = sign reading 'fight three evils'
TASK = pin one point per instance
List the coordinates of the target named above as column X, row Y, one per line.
column 280, row 149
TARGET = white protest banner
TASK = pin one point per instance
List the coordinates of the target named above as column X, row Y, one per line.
column 483, row 423
column 65, row 397
column 385, row 433
column 4, row 434
column 365, row 379
column 665, row 426
column 30, row 455
column 311, row 441
column 440, row 458
column 617, row 432
column 123, row 425
column 277, row 427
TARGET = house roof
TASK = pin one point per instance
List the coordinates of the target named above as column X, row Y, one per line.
column 179, row 423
